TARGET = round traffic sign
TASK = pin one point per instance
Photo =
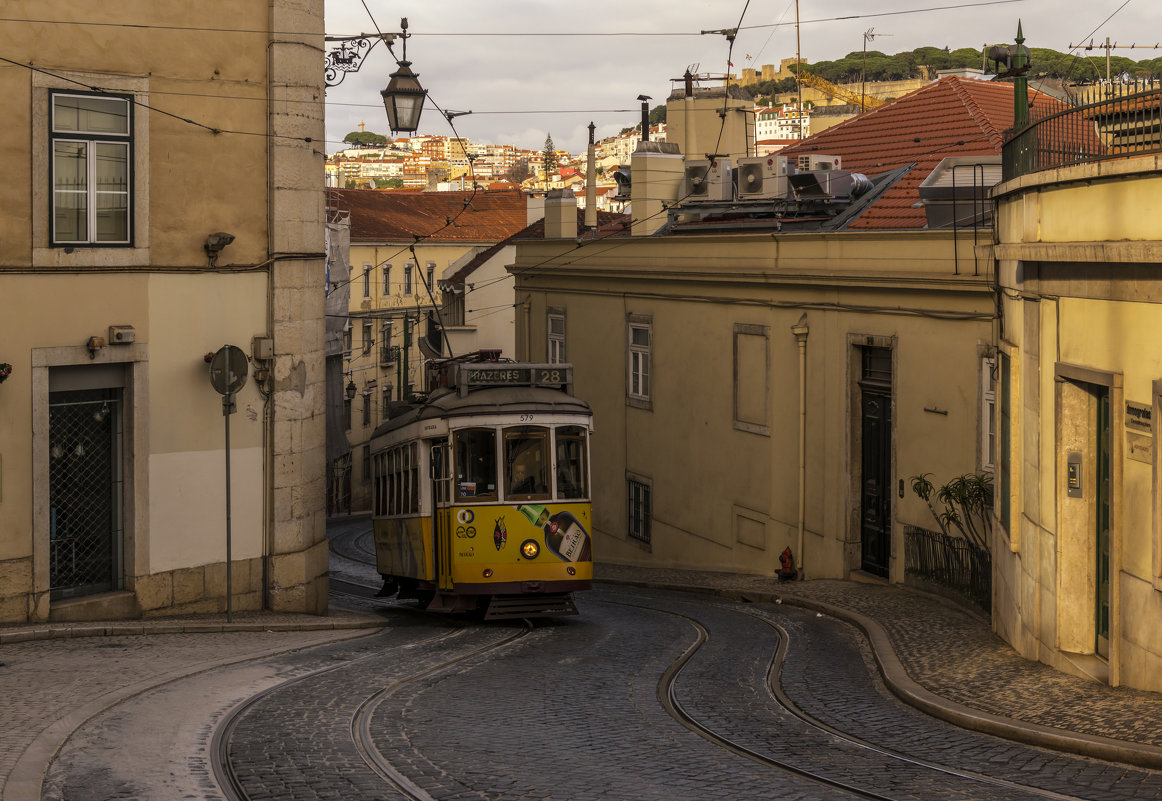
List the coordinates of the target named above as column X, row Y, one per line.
column 228, row 369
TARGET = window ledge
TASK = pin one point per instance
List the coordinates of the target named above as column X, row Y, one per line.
column 640, row 403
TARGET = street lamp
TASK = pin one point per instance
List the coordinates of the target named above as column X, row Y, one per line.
column 351, row 389
column 403, row 98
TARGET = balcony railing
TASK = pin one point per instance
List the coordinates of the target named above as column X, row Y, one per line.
column 1105, row 121
column 388, row 354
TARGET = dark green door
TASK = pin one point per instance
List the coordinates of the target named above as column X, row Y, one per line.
column 1102, row 471
column 876, row 460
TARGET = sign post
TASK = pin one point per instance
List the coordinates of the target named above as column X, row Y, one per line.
column 228, row 372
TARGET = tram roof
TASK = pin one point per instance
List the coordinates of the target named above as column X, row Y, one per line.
column 487, row 401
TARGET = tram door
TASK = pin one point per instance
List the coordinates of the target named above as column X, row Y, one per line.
column 876, row 460
column 442, row 538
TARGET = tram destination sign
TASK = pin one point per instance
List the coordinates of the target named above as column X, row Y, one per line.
column 514, row 375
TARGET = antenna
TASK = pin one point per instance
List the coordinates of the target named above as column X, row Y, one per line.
column 868, row 35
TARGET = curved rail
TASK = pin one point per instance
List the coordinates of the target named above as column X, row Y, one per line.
column 667, row 697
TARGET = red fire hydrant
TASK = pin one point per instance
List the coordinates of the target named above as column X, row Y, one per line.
column 787, row 560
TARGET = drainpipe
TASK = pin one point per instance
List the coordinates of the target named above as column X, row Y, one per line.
column 591, row 182
column 799, row 329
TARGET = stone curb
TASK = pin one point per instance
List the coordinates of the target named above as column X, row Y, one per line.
column 61, row 632
column 911, row 692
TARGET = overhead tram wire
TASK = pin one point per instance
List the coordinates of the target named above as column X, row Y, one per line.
column 537, row 34
column 133, row 99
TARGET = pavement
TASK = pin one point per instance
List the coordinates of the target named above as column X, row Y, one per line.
column 933, row 653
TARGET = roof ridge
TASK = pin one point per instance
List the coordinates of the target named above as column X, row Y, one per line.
column 966, row 97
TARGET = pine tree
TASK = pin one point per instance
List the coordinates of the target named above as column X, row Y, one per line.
column 550, row 157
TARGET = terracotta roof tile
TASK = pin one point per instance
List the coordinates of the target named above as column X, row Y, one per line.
column 401, row 215
column 950, row 117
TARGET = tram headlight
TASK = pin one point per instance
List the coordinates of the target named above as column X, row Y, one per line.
column 572, row 571
column 529, row 549
column 488, row 572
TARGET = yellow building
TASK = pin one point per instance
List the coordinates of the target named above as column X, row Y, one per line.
column 133, row 245
column 402, row 244
column 1078, row 554
column 768, row 371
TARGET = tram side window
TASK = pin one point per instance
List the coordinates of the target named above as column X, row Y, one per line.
column 380, row 485
column 571, row 472
column 476, row 463
column 526, row 462
column 402, row 483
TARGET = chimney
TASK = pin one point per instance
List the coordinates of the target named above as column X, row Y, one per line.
column 658, row 170
column 645, row 117
column 535, row 208
column 695, row 121
column 591, row 182
column 560, row 214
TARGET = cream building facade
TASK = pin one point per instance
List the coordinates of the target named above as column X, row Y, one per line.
column 1078, row 555
column 112, row 449
column 764, row 386
column 402, row 245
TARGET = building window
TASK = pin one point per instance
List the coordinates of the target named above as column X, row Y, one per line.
column 347, row 413
column 431, row 277
column 387, row 279
column 91, row 169
column 556, row 329
column 640, row 342
column 366, row 454
column 366, row 407
column 638, row 504
column 366, row 280
column 347, row 337
column 386, row 400
column 368, row 336
column 407, row 278
column 988, row 413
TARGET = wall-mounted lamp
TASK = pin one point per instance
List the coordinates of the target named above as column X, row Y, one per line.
column 403, row 99
column 351, row 390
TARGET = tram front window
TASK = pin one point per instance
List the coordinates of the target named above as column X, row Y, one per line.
column 476, row 463
column 526, row 461
column 571, row 472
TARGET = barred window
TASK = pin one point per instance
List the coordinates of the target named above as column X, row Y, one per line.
column 639, row 510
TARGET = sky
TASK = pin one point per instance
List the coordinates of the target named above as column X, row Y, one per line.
column 527, row 69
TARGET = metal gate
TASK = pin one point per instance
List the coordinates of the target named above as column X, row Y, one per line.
column 85, row 491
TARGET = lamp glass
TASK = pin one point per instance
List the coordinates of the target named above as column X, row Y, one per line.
column 404, row 99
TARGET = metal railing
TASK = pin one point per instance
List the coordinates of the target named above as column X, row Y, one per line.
column 388, row 354
column 1103, row 121
column 952, row 562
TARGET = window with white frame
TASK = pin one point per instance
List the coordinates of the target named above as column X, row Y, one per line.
column 368, row 336
column 347, row 336
column 638, row 506
column 367, row 397
column 556, row 331
column 407, row 278
column 988, row 413
column 432, row 277
column 640, row 342
column 92, row 159
column 387, row 279
column 366, row 280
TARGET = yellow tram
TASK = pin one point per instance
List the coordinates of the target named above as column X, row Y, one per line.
column 481, row 492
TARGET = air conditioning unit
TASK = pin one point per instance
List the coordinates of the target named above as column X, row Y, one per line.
column 762, row 177
column 708, row 180
column 817, row 162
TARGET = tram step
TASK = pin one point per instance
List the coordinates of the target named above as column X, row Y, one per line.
column 509, row 606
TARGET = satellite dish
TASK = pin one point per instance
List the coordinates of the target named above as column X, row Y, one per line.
column 229, row 369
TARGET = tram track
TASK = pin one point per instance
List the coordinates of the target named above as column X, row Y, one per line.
column 233, row 786
column 667, row 696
